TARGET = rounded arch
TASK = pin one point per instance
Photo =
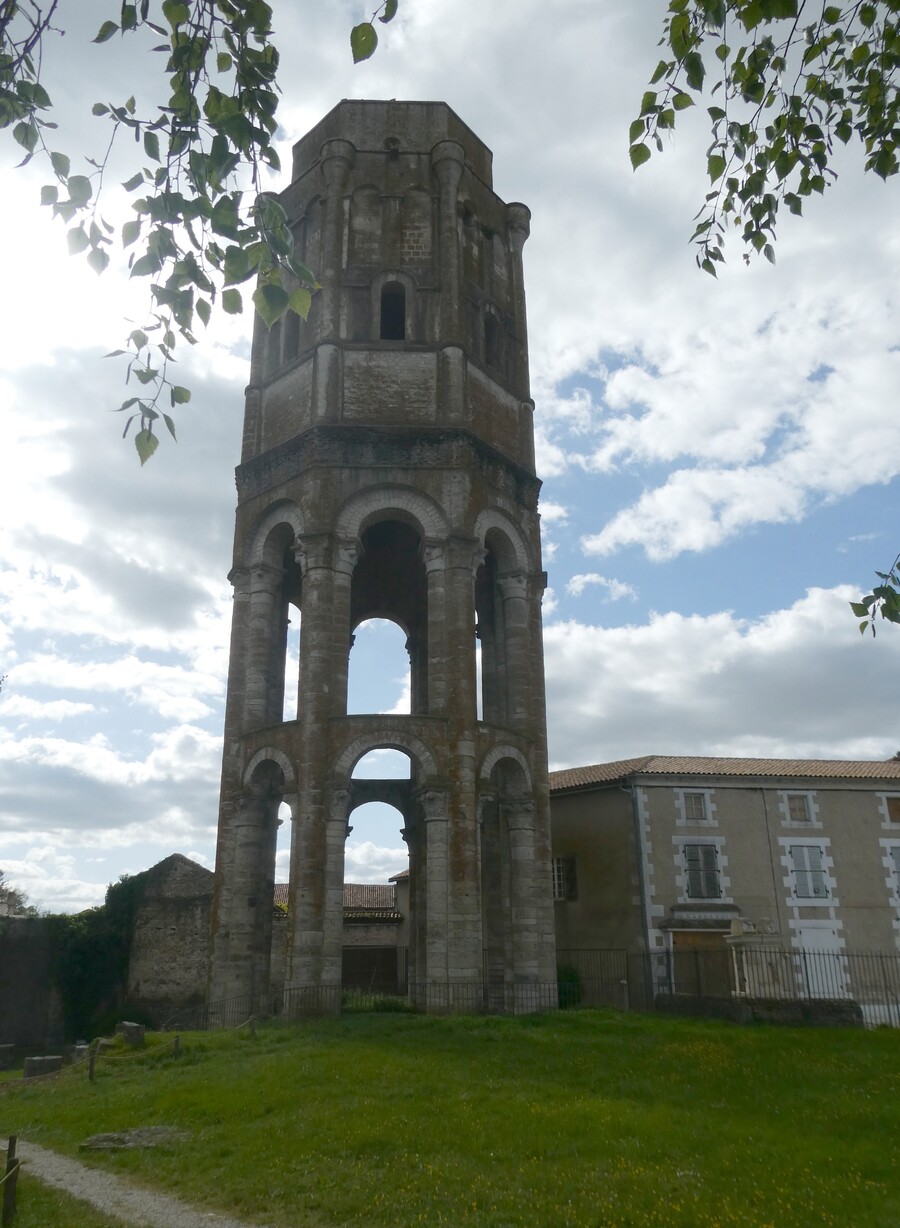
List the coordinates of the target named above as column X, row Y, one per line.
column 383, row 502
column 283, row 513
column 512, row 549
column 420, row 752
column 498, row 754
column 271, row 754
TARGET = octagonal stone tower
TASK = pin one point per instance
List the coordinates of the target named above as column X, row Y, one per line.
column 388, row 471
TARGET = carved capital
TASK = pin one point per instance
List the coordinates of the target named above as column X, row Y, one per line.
column 314, row 551
column 339, row 805
column 518, row 222
column 337, row 157
column 435, row 804
column 519, row 813
column 346, row 555
column 513, row 586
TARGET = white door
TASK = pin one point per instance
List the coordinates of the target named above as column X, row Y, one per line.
column 821, row 963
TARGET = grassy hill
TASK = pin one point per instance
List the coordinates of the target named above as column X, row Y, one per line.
column 574, row 1119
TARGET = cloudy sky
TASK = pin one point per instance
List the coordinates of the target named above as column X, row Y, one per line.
column 720, row 459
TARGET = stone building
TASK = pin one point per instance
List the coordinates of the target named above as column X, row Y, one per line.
column 387, row 470
column 725, row 871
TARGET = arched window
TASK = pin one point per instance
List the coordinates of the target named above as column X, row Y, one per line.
column 379, row 673
column 393, row 312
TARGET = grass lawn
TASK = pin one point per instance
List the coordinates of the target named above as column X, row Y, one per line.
column 578, row 1118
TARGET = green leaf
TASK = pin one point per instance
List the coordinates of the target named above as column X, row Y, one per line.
column 715, row 167
column 134, row 182
column 237, row 266
column 223, row 61
column 860, row 609
column 682, row 101
column 130, row 233
column 49, row 194
column 301, row 301
column 176, row 13
column 106, row 31
column 180, row 396
column 232, row 303
column 271, row 302
column 694, row 69
column 144, row 266
column 769, row 253
column 77, row 240
column 171, row 425
column 648, row 103
column 138, row 338
column 98, row 259
column 80, row 190
column 363, row 41
column 390, row 11
column 639, row 154
column 635, row 131
column 203, row 310
column 99, row 109
column 151, row 145
column 60, row 164
column 146, row 445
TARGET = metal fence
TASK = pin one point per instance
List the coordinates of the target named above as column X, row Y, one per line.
column 756, row 982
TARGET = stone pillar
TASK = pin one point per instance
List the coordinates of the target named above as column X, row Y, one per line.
column 448, row 159
column 518, row 226
column 495, row 900
column 514, row 590
column 265, row 648
column 519, row 814
column 245, row 909
column 337, row 159
column 435, row 812
column 333, row 925
column 324, row 645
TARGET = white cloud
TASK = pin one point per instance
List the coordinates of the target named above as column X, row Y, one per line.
column 21, row 706
column 720, row 684
column 366, row 862
column 615, row 589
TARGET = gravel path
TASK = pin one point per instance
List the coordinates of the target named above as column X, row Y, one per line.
column 113, row 1195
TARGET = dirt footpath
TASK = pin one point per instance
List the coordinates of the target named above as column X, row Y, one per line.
column 113, row 1195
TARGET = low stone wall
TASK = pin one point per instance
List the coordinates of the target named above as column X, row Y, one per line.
column 31, row 1014
column 810, row 1012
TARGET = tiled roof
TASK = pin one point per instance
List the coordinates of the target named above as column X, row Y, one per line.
column 361, row 900
column 700, row 765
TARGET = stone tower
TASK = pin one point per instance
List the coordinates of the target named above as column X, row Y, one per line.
column 388, row 471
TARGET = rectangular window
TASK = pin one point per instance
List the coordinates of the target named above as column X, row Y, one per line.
column 695, row 807
column 565, row 881
column 798, row 808
column 807, row 863
column 893, row 809
column 895, row 862
column 701, row 863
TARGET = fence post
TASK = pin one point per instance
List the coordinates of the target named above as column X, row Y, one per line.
column 92, row 1060
column 176, row 1046
column 9, row 1185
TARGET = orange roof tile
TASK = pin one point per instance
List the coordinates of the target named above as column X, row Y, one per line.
column 701, row 765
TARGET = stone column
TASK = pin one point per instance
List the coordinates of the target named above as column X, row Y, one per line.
column 333, row 925
column 514, row 590
column 324, row 642
column 265, row 648
column 337, row 159
column 518, row 226
column 519, row 814
column 435, row 807
column 495, row 900
column 246, row 907
column 448, row 159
